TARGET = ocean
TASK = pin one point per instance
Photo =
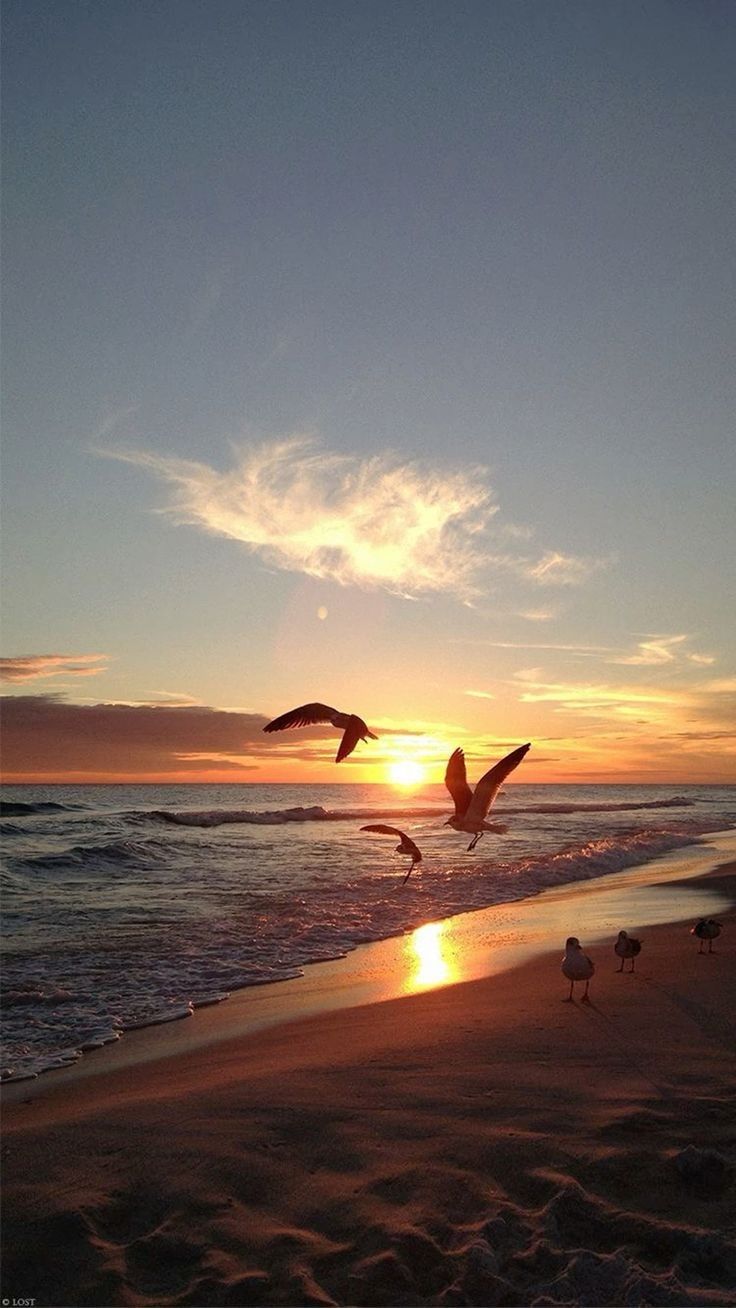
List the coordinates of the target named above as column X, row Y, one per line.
column 127, row 906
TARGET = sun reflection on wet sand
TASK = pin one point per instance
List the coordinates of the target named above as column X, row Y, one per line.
column 429, row 957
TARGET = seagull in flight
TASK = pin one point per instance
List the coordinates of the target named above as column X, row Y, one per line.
column 471, row 806
column 406, row 846
column 353, row 728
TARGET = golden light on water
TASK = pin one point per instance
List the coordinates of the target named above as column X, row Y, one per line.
column 406, row 773
column 429, row 957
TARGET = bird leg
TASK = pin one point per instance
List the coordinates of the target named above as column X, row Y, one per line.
column 632, row 964
column 585, row 998
column 701, row 950
column 478, row 836
column 621, row 968
column 569, row 997
column 710, row 946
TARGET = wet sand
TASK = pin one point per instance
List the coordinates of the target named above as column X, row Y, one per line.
column 477, row 1143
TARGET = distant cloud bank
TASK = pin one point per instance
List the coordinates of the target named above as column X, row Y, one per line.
column 379, row 521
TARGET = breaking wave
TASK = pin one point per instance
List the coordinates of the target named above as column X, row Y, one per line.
column 217, row 817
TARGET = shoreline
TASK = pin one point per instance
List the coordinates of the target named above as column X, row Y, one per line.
column 469, row 946
column 482, row 1143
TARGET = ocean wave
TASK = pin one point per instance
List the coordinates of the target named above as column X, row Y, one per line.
column 15, row 808
column 252, row 930
column 113, row 853
column 623, row 806
column 316, row 813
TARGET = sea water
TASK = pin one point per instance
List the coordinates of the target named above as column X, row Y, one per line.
column 125, row 906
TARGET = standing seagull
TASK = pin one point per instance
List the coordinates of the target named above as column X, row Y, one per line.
column 406, row 845
column 576, row 966
column 627, row 947
column 471, row 806
column 706, row 929
column 307, row 715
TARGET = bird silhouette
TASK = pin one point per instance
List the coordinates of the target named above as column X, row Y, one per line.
column 576, row 966
column 405, row 846
column 471, row 806
column 307, row 715
column 626, row 947
column 706, row 929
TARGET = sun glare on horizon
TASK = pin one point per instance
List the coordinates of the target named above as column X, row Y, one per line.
column 406, row 773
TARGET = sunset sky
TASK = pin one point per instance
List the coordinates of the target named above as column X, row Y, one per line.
column 374, row 353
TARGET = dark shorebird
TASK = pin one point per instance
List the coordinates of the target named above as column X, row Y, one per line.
column 405, row 846
column 576, row 966
column 471, row 806
column 307, row 715
column 627, row 947
column 706, row 929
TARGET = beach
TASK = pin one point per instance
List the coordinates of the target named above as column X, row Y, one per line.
column 473, row 1143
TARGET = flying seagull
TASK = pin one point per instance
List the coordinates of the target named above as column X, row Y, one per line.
column 471, row 806
column 406, row 846
column 706, row 929
column 576, row 966
column 627, row 947
column 354, row 728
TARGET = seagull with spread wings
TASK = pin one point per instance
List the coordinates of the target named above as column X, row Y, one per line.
column 353, row 728
column 471, row 806
column 405, row 846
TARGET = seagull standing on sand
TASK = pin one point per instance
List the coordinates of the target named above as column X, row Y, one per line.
column 627, row 947
column 706, row 929
column 353, row 727
column 406, row 846
column 576, row 966
column 471, row 806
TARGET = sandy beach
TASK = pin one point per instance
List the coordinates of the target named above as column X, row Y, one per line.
column 479, row 1143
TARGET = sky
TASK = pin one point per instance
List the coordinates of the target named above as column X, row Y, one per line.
column 375, row 354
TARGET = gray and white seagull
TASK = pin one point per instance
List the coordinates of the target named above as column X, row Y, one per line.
column 308, row 715
column 471, row 806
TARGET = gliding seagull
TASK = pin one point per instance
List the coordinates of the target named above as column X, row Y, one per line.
column 471, row 806
column 406, row 846
column 354, row 728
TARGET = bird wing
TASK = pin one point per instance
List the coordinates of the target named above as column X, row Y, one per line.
column 409, row 846
column 354, row 729
column 304, row 716
column 489, row 785
column 457, row 783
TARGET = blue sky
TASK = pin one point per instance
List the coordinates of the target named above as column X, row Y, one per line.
column 474, row 241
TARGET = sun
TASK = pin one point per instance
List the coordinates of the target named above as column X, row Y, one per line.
column 406, row 773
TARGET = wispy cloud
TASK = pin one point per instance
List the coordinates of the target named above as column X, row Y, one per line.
column 537, row 615
column 375, row 522
column 652, row 652
column 408, row 527
column 555, row 569
column 33, row 667
column 571, row 648
column 479, row 694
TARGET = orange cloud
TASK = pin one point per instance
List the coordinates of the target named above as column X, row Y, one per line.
column 33, row 667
